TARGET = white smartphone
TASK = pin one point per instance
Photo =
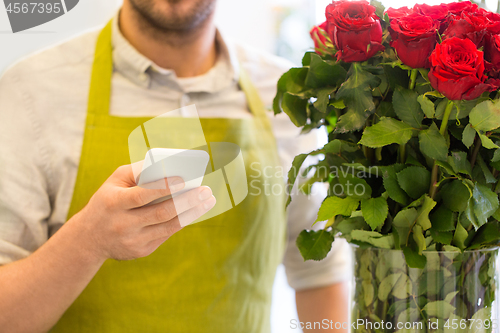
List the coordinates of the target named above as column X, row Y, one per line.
column 161, row 163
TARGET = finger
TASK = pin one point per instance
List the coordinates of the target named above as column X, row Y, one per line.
column 167, row 210
column 166, row 229
column 193, row 214
column 126, row 175
column 139, row 196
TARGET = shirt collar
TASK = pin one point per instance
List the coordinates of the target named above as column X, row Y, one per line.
column 143, row 72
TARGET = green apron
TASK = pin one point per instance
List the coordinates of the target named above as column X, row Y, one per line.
column 212, row 276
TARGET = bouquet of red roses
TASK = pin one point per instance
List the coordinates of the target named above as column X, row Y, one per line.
column 409, row 99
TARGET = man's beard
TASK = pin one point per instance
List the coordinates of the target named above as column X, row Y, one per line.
column 173, row 21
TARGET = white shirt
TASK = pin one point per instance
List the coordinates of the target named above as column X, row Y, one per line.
column 43, row 105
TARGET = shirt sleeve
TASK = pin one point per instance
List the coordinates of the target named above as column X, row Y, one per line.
column 302, row 213
column 24, row 200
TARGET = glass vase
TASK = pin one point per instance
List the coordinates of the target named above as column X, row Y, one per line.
column 455, row 292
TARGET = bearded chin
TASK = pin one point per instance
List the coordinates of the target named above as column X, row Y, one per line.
column 173, row 19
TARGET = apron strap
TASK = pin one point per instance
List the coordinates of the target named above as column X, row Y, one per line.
column 253, row 98
column 102, row 71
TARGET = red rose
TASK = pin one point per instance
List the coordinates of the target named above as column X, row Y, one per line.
column 355, row 30
column 398, row 13
column 438, row 13
column 456, row 8
column 471, row 25
column 318, row 34
column 494, row 22
column 492, row 52
column 457, row 70
column 414, row 37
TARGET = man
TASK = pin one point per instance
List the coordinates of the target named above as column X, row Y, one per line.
column 59, row 142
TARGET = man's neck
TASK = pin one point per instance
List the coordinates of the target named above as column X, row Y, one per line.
column 188, row 54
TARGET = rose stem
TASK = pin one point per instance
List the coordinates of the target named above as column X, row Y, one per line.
column 413, row 78
column 477, row 145
column 442, row 130
column 402, row 148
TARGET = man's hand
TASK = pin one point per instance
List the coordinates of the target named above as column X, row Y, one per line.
column 35, row 291
column 118, row 225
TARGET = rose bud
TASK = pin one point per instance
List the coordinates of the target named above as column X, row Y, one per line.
column 319, row 35
column 457, row 70
column 414, row 37
column 355, row 30
column 398, row 13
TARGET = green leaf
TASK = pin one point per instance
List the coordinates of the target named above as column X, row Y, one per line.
column 355, row 187
column 485, row 116
column 442, row 219
column 487, row 173
column 374, row 238
column 482, row 315
column 387, row 131
column 446, row 166
column 414, row 181
column 356, row 92
column 439, row 309
column 293, row 82
column 387, row 284
column 488, row 234
column 413, row 259
column 338, row 104
column 468, row 136
column 496, row 156
column 433, row 144
column 295, row 108
column 455, row 195
column 403, row 222
column 391, row 184
column 336, row 146
column 403, row 287
column 407, row 107
column 465, row 107
column 485, row 203
column 460, row 236
column 306, row 59
column 486, row 142
column 469, row 214
column 380, row 9
column 368, row 292
column 314, row 245
column 459, row 162
column 375, row 211
column 322, row 73
column 293, row 173
column 333, row 206
column 423, row 213
column 443, row 237
column 418, row 237
column 427, row 106
column 351, row 121
column 323, row 99
column 348, row 225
